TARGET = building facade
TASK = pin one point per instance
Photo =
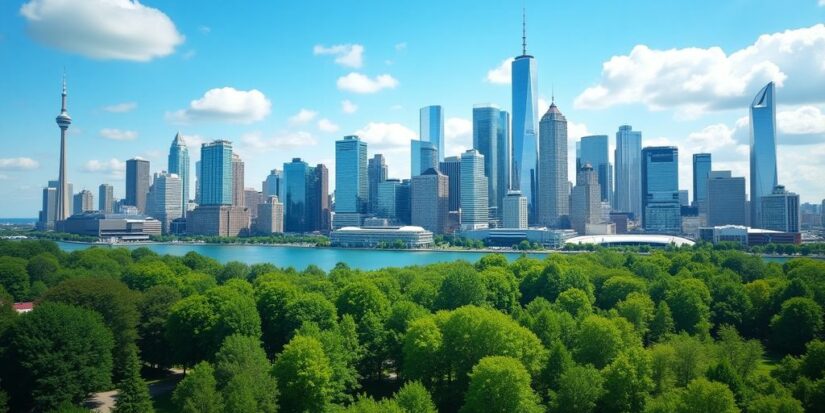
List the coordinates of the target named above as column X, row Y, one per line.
column 164, row 200
column 429, row 197
column 514, row 214
column 594, row 150
column 660, row 190
column 138, row 180
column 218, row 220
column 376, row 173
column 431, row 128
column 351, row 181
column 726, row 201
column 452, row 168
column 702, row 166
column 780, row 211
column 84, row 201
column 237, row 181
column 628, row 193
column 106, row 198
column 274, row 185
column 524, row 91
column 270, row 216
column 178, row 164
column 216, row 177
column 553, row 191
column 474, row 205
column 585, row 201
column 763, row 174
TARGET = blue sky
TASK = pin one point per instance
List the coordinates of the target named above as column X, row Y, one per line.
column 273, row 77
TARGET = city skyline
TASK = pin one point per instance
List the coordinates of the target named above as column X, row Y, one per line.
column 122, row 122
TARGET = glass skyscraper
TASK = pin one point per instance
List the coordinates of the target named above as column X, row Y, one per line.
column 594, row 150
column 701, row 171
column 351, row 184
column 553, row 190
column 763, row 177
column 525, row 128
column 431, row 128
column 274, row 185
column 216, row 173
column 179, row 165
column 138, row 180
column 505, row 157
column 485, row 141
column 660, row 189
column 298, row 176
column 376, row 173
column 474, row 205
column 628, row 194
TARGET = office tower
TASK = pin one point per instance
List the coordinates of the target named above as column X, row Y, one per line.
column 431, row 128
column 179, row 165
column 403, row 202
column 628, row 163
column 423, row 156
column 237, row 180
column 270, row 216
column 430, row 200
column 198, row 182
column 63, row 193
column 48, row 213
column 252, row 198
column 83, row 201
column 660, row 189
column 594, row 150
column 274, row 185
column 780, row 210
column 725, row 202
column 138, row 180
column 505, row 155
column 319, row 199
column 106, row 198
column 164, row 200
column 299, row 182
column 525, row 127
column 485, row 141
column 701, row 171
column 474, row 212
column 376, row 173
column 553, row 191
column 387, row 198
column 684, row 198
column 763, row 177
column 514, row 214
column 452, row 168
column 216, row 173
column 351, row 183
column 585, row 200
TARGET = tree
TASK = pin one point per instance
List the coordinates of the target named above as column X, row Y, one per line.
column 598, row 341
column 639, row 309
column 617, row 288
column 243, row 374
column 798, row 322
column 813, row 362
column 341, row 346
column 271, row 299
column 197, row 392
column 414, row 398
column 688, row 301
column 662, row 323
column 14, row 277
column 143, row 275
column 43, row 267
column 626, row 383
column 304, row 376
column 702, row 395
column 579, row 389
column 690, row 358
column 462, row 286
column 133, row 394
column 57, row 354
column 359, row 298
column 154, row 308
column 502, row 288
column 575, row 302
column 233, row 270
column 775, row 404
column 500, row 384
column 558, row 361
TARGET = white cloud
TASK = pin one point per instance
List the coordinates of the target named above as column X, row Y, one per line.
column 113, row 166
column 348, row 107
column 118, row 134
column 225, row 104
column 501, row 75
column 392, row 140
column 358, row 83
column 303, row 116
column 804, row 120
column 18, row 164
column 458, row 136
column 326, row 125
column 711, row 139
column 348, row 55
column 694, row 80
column 121, row 107
column 284, row 140
column 822, row 3
column 403, row 45
column 102, row 29
column 193, row 142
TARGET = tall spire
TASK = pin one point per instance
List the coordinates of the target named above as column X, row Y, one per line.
column 523, row 31
column 63, row 102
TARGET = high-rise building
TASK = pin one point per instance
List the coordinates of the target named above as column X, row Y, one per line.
column 763, row 175
column 164, row 200
column 431, row 128
column 138, row 180
column 198, row 182
column 628, row 193
column 319, row 199
column 452, row 168
column 504, row 155
column 179, row 165
column 725, row 202
column 514, row 214
column 106, row 198
column 403, row 202
column 274, row 185
column 585, row 200
column 270, row 216
column 307, row 197
column 376, row 173
column 237, row 181
column 553, row 192
column 701, row 171
column 48, row 213
column 216, row 176
column 351, row 181
column 83, row 201
column 684, row 198
column 387, row 198
column 218, row 220
column 252, row 198
column 63, row 193
column 429, row 193
column 485, row 141
column 594, row 150
column 423, row 156
column 525, row 126
column 474, row 206
column 660, row 189
column 780, row 210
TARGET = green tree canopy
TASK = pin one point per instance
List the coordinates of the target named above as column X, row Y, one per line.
column 500, row 384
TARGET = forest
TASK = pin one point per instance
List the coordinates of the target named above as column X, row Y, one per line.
column 697, row 329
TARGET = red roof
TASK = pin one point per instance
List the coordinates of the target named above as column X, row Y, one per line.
column 23, row 307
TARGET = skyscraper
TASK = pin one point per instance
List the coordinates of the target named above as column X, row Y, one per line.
column 780, row 210
column 299, row 177
column 216, row 173
column 252, row 198
column 106, row 198
column 83, row 202
column 270, row 216
column 138, row 180
column 485, row 141
column 585, row 200
column 274, row 185
column 48, row 213
column 660, row 189
column 63, row 193
column 237, row 180
column 319, row 199
column 701, row 171
column 376, row 173
column 431, row 128
column 452, row 168
column 164, row 201
column 514, row 214
column 387, row 198
column 474, row 212
column 763, row 175
column 628, row 194
column 725, row 202
column 351, row 182
column 525, row 127
column 553, row 192
column 594, row 150
column 430, row 200
column 179, row 165
column 423, row 156
column 504, row 155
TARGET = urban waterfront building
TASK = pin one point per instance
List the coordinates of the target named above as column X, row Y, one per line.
column 270, row 216
column 474, row 206
column 237, row 181
column 780, row 210
column 252, row 198
column 504, row 156
column 387, row 199
column 403, row 202
column 594, row 150
column 452, row 168
column 48, row 211
column 178, row 164
column 702, row 166
column 307, row 197
column 485, row 141
column 216, row 176
column 84, row 201
column 431, row 129
column 138, row 180
column 106, row 198
column 164, row 200
column 429, row 197
column 660, row 189
column 376, row 173
column 585, row 200
column 684, row 198
column 218, row 213
column 509, row 237
column 423, row 156
column 525, row 126
column 113, row 227
column 198, row 182
column 514, row 214
column 351, row 181
column 388, row 237
column 763, row 174
column 274, row 185
column 319, row 202
column 628, row 193
column 63, row 193
column 218, row 220
column 553, row 191
column 725, row 199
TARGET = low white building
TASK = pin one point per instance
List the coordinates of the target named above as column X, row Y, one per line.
column 371, row 237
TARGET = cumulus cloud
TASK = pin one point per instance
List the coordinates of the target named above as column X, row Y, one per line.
column 193, row 142
column 458, row 136
column 284, row 140
column 121, row 107
column 358, row 83
column 113, row 166
column 502, row 74
column 225, row 104
column 393, row 141
column 18, row 164
column 102, row 29
column 694, row 80
column 303, row 116
column 805, row 120
column 348, row 107
column 348, row 55
column 326, row 125
column 118, row 134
